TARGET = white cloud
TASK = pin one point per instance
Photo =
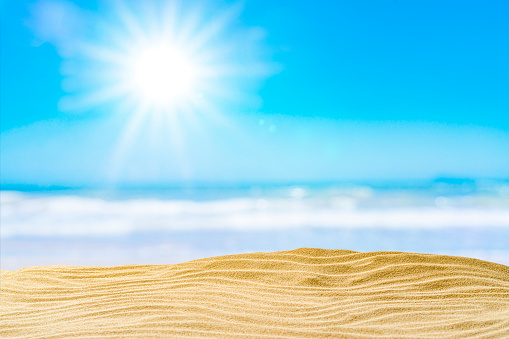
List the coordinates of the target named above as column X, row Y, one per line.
column 60, row 23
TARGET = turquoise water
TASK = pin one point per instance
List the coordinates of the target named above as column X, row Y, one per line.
column 170, row 225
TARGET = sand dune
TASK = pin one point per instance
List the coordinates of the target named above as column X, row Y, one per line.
column 311, row 293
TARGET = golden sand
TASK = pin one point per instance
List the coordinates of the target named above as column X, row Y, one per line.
column 310, row 293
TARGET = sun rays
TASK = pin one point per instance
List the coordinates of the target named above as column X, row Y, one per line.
column 163, row 68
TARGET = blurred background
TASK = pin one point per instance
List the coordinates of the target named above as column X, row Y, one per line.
column 158, row 132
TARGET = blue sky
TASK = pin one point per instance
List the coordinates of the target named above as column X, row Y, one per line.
column 328, row 90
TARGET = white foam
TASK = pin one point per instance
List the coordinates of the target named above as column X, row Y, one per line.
column 60, row 215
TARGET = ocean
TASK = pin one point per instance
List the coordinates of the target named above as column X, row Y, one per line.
column 129, row 225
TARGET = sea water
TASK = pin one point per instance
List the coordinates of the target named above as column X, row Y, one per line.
column 155, row 225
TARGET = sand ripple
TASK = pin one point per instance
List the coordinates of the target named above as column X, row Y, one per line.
column 311, row 293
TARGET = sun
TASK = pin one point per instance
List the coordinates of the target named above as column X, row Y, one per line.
column 163, row 70
column 161, row 75
column 164, row 57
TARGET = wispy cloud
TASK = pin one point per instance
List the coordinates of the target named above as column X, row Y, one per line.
column 60, row 23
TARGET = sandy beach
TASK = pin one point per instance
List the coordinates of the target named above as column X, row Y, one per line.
column 307, row 292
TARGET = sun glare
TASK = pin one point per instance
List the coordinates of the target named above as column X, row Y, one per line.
column 160, row 56
column 161, row 74
column 162, row 68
